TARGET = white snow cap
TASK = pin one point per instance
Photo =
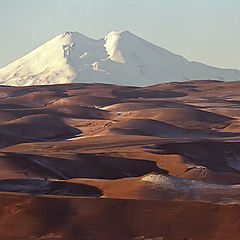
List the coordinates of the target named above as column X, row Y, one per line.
column 119, row 58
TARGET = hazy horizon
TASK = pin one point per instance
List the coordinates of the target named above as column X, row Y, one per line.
column 200, row 31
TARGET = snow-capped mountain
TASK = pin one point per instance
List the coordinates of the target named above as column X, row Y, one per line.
column 118, row 58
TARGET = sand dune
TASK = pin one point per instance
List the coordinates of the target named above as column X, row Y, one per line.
column 185, row 117
column 140, row 105
column 40, row 126
column 152, row 128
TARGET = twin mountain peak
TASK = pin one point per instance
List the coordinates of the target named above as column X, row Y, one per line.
column 119, row 58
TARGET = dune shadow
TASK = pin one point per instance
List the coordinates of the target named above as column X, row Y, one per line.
column 83, row 166
column 36, row 186
column 215, row 155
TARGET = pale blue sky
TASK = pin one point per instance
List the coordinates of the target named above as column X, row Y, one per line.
column 201, row 30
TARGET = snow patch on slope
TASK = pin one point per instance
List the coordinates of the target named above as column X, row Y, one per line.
column 170, row 182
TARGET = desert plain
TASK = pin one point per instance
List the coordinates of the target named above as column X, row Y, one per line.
column 100, row 161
